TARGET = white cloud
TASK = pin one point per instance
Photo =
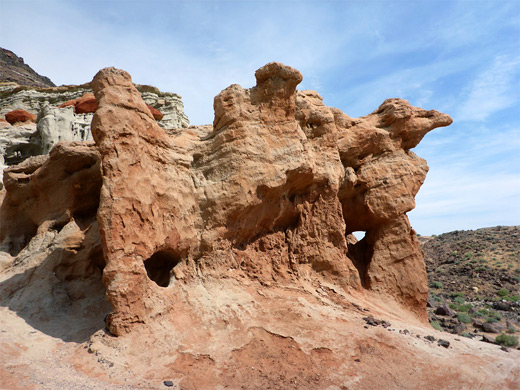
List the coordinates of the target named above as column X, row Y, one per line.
column 494, row 89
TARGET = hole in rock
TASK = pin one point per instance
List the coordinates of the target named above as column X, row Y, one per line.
column 361, row 254
column 359, row 235
column 159, row 266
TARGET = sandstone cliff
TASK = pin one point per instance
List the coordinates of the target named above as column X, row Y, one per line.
column 274, row 189
column 226, row 251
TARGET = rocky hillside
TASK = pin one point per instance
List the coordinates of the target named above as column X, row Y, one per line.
column 13, row 69
column 474, row 280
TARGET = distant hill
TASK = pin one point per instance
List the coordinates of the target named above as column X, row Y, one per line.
column 476, row 273
column 13, row 69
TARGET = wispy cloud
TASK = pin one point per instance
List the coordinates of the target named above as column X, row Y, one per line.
column 494, row 89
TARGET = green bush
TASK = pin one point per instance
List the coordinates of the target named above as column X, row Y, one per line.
column 457, row 294
column 459, row 300
column 464, row 307
column 507, row 340
column 436, row 325
column 503, row 292
column 437, row 285
column 464, row 318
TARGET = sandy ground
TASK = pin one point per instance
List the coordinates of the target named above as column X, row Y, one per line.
column 228, row 334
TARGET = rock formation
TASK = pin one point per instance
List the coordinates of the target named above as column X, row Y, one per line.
column 13, row 69
column 223, row 255
column 273, row 189
column 64, row 114
column 19, row 116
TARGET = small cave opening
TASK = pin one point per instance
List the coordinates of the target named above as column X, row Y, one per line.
column 159, row 267
column 361, row 254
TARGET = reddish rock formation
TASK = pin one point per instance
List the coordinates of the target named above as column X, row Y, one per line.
column 83, row 105
column 19, row 116
column 155, row 113
column 232, row 244
column 275, row 187
column 88, row 104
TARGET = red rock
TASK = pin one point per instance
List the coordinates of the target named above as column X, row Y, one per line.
column 275, row 188
column 19, row 116
column 155, row 112
column 276, row 160
column 83, row 105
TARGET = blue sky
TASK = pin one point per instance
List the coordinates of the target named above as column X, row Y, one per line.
column 459, row 57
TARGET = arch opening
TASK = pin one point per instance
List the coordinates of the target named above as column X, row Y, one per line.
column 159, row 267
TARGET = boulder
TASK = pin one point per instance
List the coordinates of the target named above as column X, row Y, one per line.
column 490, row 328
column 83, row 105
column 155, row 113
column 16, row 116
column 444, row 310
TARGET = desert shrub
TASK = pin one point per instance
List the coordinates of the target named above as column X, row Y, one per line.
column 467, row 256
column 484, row 312
column 503, row 292
column 464, row 318
column 464, row 307
column 459, row 300
column 517, row 270
column 456, row 294
column 436, row 325
column 507, row 340
column 437, row 284
column 511, row 330
column 466, row 334
column 492, row 319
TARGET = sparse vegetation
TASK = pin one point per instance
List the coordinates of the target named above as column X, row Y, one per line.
column 437, row 285
column 436, row 325
column 507, row 340
column 475, row 273
column 464, row 318
column 503, row 292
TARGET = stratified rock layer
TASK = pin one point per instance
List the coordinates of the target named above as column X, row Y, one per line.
column 64, row 114
column 275, row 188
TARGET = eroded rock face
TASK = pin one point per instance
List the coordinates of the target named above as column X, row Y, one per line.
column 274, row 189
column 64, row 114
column 271, row 192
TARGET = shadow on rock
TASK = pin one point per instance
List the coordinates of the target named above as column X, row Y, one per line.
column 56, row 284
